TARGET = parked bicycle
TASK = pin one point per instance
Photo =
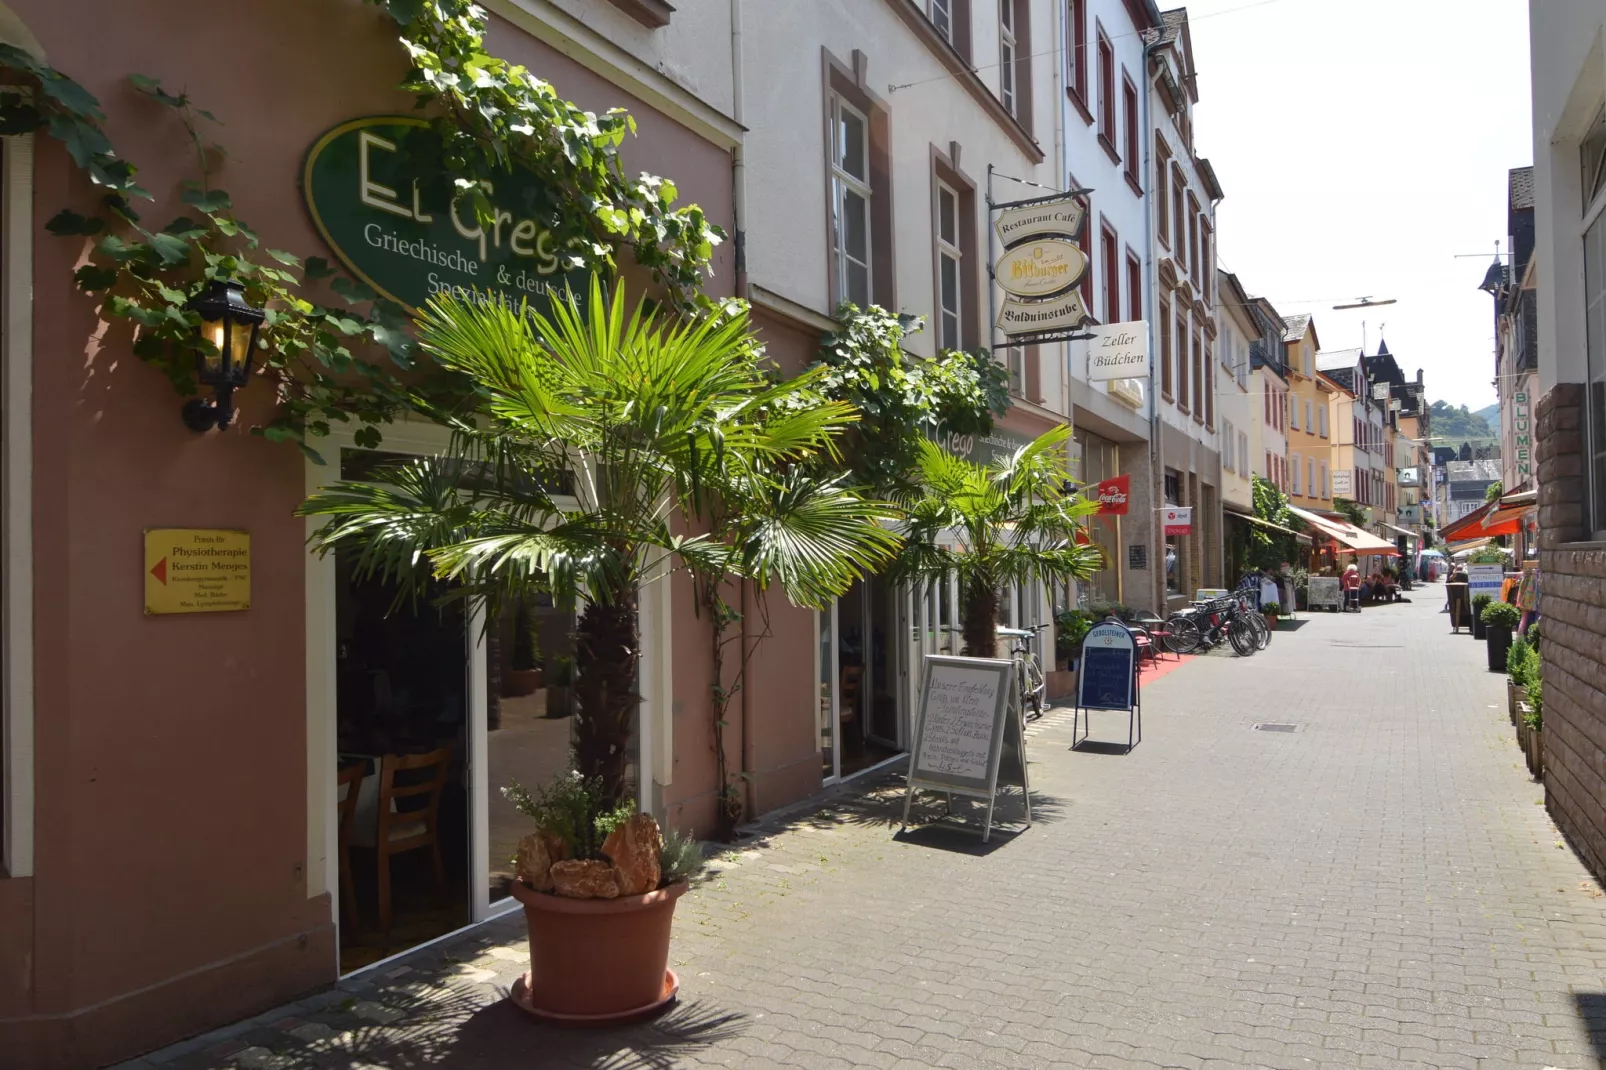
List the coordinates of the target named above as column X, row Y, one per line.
column 1205, row 625
column 1028, row 669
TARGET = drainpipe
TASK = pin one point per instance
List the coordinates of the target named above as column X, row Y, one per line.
column 739, row 221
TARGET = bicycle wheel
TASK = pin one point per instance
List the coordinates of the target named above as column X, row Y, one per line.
column 1242, row 635
column 1184, row 635
column 1034, row 686
column 1262, row 629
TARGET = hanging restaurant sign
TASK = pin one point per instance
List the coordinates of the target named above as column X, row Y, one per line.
column 1040, row 265
column 1114, row 495
column 397, row 218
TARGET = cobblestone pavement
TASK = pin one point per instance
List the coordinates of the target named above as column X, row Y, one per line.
column 1380, row 887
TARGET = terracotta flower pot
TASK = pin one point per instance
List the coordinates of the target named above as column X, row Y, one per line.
column 1271, row 620
column 516, row 683
column 598, row 961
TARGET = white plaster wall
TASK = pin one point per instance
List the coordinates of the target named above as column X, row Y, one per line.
column 693, row 51
column 1265, row 437
column 1089, row 165
column 1567, row 43
column 787, row 192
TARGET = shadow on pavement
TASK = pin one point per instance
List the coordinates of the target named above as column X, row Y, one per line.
column 1287, row 625
column 1592, row 1009
column 1099, row 746
column 500, row 1035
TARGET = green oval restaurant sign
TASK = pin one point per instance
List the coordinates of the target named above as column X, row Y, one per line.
column 393, row 215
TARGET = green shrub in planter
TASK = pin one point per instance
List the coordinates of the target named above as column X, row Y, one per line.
column 1534, row 718
column 1272, row 608
column 1498, row 614
column 1070, row 626
column 1522, row 664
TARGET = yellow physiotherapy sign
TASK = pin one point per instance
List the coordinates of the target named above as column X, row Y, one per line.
column 197, row 570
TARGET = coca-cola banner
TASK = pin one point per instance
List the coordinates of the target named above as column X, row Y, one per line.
column 1178, row 519
column 1113, row 495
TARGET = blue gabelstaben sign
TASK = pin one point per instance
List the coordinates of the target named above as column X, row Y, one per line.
column 1107, row 676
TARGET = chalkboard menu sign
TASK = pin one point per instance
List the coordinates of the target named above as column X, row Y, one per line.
column 1106, row 671
column 1108, row 680
column 968, row 718
column 1137, row 557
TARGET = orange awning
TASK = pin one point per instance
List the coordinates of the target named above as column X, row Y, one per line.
column 1468, row 527
column 1485, row 522
column 1347, row 535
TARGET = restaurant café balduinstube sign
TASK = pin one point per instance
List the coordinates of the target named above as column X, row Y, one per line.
column 396, row 218
column 1039, row 267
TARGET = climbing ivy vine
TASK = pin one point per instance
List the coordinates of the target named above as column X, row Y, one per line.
column 350, row 361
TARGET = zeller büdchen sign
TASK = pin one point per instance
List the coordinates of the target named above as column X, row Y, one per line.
column 391, row 213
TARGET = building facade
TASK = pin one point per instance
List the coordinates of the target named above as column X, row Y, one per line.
column 1183, row 197
column 1237, row 414
column 1309, row 410
column 1569, row 132
column 1104, row 113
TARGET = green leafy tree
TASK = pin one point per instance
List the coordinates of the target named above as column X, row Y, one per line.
column 903, row 400
column 1270, row 550
column 1352, row 511
column 1013, row 522
column 1493, row 491
column 601, row 438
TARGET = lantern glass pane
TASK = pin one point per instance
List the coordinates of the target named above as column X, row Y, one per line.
column 240, row 335
column 213, row 332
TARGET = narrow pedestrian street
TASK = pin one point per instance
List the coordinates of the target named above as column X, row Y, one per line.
column 1378, row 887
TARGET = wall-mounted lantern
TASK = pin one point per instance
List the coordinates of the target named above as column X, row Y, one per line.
column 228, row 337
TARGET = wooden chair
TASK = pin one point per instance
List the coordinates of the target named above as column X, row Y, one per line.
column 350, row 781
column 409, row 827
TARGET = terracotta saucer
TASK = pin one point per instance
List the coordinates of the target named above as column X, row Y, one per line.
column 520, row 995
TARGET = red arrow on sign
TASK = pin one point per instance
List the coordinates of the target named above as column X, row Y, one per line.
column 160, row 571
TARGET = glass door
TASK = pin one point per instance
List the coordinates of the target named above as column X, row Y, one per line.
column 826, row 657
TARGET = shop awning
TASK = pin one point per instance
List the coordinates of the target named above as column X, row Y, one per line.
column 1512, row 507
column 1347, row 535
column 1481, row 524
column 1300, row 535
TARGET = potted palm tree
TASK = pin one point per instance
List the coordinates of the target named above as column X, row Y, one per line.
column 1012, row 521
column 1499, row 620
column 603, row 430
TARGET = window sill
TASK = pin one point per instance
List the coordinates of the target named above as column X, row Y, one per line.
column 1132, row 184
column 1109, row 148
column 1080, row 105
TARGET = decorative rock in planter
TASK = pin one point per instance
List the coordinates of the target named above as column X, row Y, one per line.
column 537, row 852
column 584, row 880
column 634, row 848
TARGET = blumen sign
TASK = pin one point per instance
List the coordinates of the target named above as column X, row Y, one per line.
column 392, row 214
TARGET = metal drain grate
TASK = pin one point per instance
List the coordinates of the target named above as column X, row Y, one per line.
column 1276, row 728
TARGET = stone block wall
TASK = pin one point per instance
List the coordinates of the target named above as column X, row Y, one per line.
column 1574, row 630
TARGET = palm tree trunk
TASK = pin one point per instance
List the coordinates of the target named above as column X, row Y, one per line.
column 980, row 624
column 607, row 650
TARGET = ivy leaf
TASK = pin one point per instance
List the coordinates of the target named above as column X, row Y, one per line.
column 209, row 201
column 83, row 141
column 67, row 222
column 119, row 204
column 186, row 228
column 92, row 277
column 153, row 89
column 171, row 250
column 288, row 259
column 405, row 11
column 70, row 95
column 114, row 248
column 353, row 291
column 397, row 341
column 318, row 268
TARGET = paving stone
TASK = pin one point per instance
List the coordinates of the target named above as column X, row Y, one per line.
column 1378, row 889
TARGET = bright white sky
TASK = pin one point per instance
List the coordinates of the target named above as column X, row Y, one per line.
column 1361, row 145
